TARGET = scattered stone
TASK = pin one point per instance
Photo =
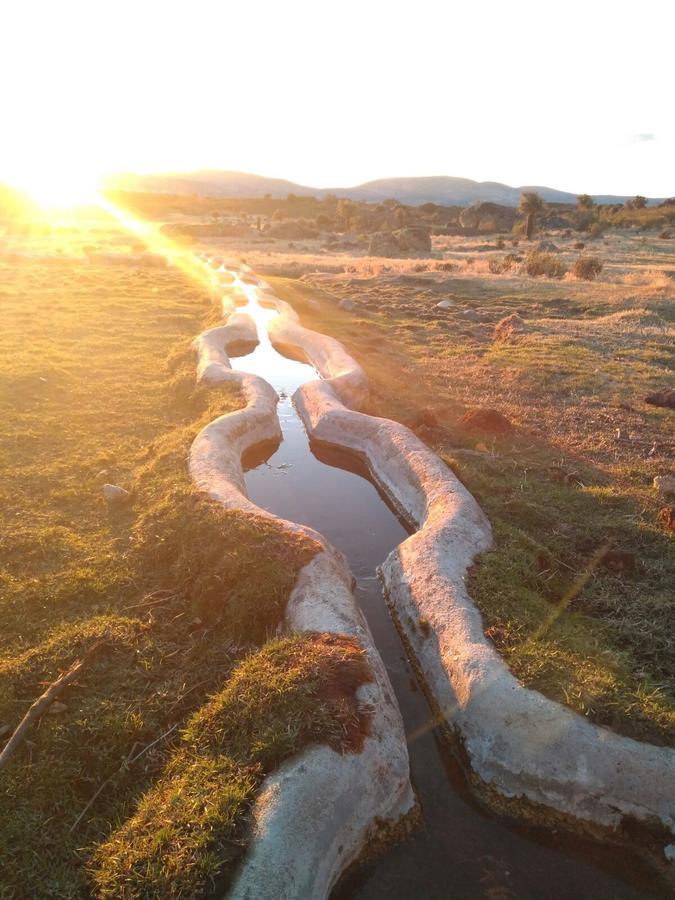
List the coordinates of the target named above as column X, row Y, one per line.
column 115, row 494
column 667, row 517
column 383, row 243
column 471, row 314
column 662, row 398
column 488, row 217
column 489, row 421
column 445, row 304
column 665, row 484
column 548, row 247
column 414, row 239
column 56, row 708
column 347, row 304
column 509, row 326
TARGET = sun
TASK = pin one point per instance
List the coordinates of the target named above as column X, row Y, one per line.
column 58, row 187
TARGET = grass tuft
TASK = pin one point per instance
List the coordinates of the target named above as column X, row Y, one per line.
column 190, row 825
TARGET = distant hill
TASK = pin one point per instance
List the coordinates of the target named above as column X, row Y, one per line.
column 441, row 189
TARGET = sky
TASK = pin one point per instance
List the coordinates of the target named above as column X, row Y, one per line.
column 574, row 95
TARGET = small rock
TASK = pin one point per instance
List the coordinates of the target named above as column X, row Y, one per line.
column 669, row 852
column 471, row 314
column 662, row 398
column 548, row 247
column 665, row 484
column 445, row 304
column 490, row 421
column 347, row 304
column 115, row 494
column 56, row 708
column 507, row 327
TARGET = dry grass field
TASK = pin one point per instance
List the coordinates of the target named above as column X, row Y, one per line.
column 97, row 385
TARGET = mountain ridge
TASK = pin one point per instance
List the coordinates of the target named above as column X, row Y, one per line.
column 444, row 190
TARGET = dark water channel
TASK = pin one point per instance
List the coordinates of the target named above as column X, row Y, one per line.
column 461, row 851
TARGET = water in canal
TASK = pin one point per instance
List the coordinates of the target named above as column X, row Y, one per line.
column 460, row 851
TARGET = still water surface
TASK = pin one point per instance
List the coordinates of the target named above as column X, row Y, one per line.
column 460, row 851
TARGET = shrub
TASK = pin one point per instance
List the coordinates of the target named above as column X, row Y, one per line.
column 539, row 263
column 587, row 267
column 499, row 265
column 665, row 234
column 583, row 219
column 500, row 243
column 579, row 245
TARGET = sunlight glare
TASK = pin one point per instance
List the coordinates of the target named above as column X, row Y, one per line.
column 61, row 187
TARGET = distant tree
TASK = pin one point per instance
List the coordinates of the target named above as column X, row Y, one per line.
column 400, row 217
column 530, row 204
column 345, row 212
column 639, row 202
column 584, row 201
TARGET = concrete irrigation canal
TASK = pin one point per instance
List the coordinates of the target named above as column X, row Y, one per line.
column 374, row 496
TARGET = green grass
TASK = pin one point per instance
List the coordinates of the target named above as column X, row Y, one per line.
column 562, row 494
column 97, row 385
column 189, row 826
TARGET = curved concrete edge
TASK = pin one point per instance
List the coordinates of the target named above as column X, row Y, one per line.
column 213, row 363
column 518, row 742
column 319, row 811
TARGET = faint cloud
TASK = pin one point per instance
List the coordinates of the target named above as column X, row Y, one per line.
column 641, row 138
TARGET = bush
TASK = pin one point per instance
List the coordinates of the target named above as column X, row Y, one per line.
column 539, row 263
column 583, row 219
column 665, row 234
column 587, row 267
column 579, row 245
column 499, row 265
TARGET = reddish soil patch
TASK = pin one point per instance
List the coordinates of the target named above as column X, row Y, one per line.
column 662, row 398
column 667, row 517
column 342, row 669
column 486, row 421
